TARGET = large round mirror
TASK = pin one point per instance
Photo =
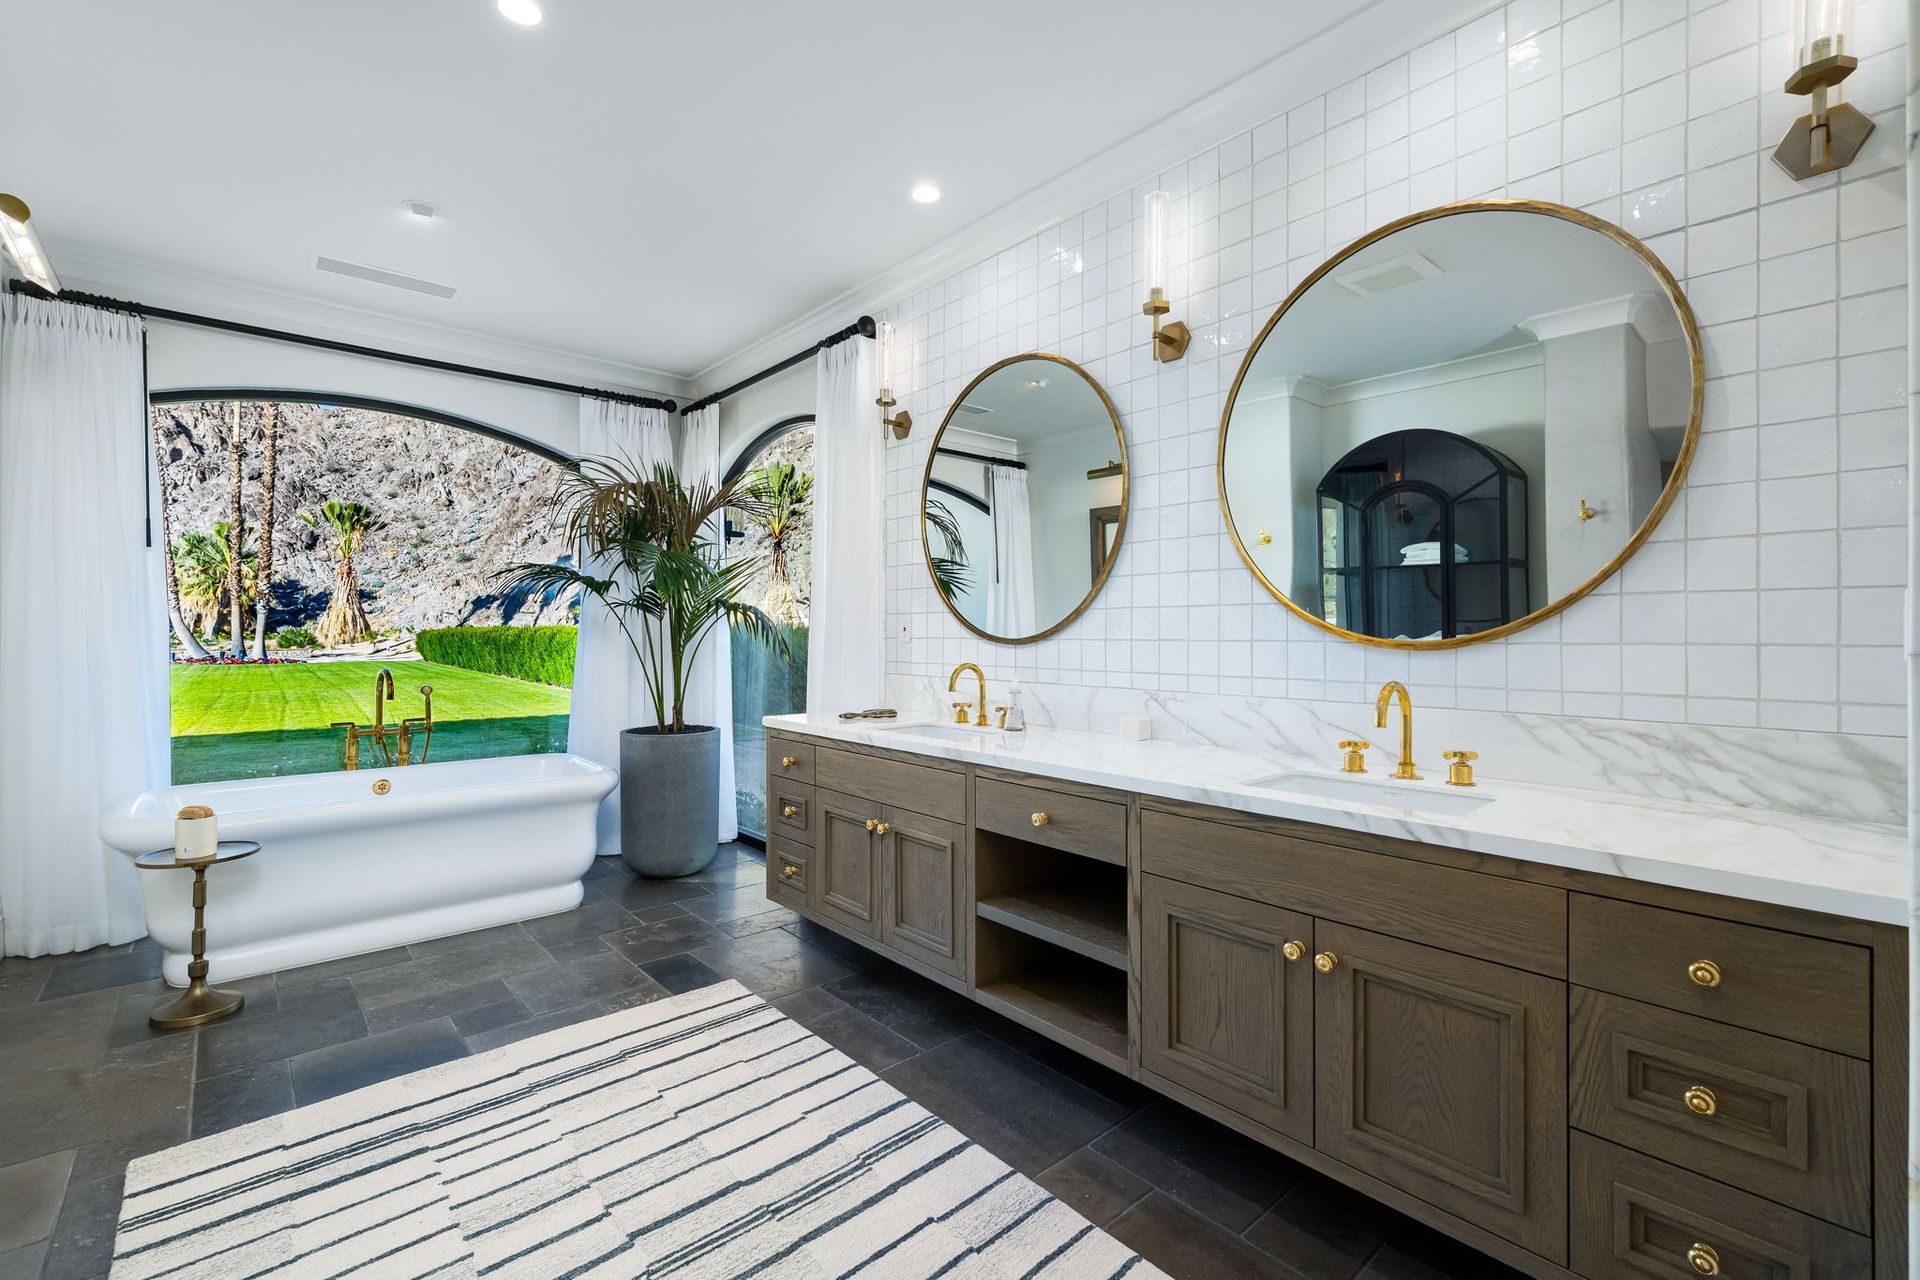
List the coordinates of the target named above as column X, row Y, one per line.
column 1025, row 498
column 1461, row 424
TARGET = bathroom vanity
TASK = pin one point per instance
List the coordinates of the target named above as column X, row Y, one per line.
column 1588, row 1036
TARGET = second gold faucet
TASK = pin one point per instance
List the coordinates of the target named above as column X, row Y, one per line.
column 1387, row 691
column 960, row 708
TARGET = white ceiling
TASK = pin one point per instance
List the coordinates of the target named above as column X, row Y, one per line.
column 648, row 185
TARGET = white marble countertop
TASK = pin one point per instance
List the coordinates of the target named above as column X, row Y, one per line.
column 1854, row 869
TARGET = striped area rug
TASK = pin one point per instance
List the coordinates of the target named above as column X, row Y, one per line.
column 702, row 1136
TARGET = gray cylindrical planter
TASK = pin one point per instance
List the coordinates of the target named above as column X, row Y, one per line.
column 669, row 799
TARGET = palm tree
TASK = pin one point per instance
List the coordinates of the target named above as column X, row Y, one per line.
column 206, row 574
column 779, row 493
column 666, row 579
column 347, row 524
column 950, row 566
column 236, row 534
column 269, row 465
column 188, row 640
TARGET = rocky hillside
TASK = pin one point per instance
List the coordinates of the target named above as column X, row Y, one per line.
column 457, row 508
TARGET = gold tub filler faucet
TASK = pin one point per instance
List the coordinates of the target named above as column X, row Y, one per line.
column 402, row 732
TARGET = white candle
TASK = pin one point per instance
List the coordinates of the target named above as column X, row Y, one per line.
column 196, row 834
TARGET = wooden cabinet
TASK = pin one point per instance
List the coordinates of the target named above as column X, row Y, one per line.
column 844, row 886
column 1445, row 1076
column 1227, row 1002
column 921, row 863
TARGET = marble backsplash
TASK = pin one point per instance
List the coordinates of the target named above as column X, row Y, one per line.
column 1854, row 777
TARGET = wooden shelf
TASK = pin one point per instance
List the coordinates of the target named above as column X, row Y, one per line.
column 1077, row 1003
column 1081, row 918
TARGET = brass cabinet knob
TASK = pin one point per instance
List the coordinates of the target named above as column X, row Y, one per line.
column 1293, row 949
column 873, row 824
column 1325, row 961
column 787, row 762
column 1042, row 819
column 881, row 828
column 1704, row 973
column 1700, row 1100
column 789, row 810
column 789, row 871
column 1704, row 1260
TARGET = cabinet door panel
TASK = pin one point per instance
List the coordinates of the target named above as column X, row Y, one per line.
column 1445, row 1076
column 920, row 881
column 841, row 886
column 1225, row 1013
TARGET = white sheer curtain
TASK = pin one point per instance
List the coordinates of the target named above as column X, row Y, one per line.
column 710, row 683
column 1010, row 595
column 83, row 633
column 608, row 692
column 846, row 667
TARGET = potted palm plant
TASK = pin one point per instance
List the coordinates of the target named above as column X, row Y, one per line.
column 648, row 555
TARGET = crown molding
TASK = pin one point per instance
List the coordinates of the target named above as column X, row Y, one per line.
column 92, row 271
column 1648, row 314
column 1323, row 60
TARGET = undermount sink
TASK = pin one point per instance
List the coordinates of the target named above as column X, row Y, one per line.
column 1420, row 797
column 938, row 732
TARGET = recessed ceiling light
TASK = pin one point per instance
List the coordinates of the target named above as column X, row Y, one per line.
column 419, row 210
column 525, row 12
column 925, row 193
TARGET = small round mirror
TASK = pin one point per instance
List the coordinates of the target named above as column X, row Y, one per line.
column 1461, row 424
column 1024, row 501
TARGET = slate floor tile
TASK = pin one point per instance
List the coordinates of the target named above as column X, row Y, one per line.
column 680, row 973
column 46, row 1019
column 1418, row 1252
column 731, row 903
column 341, row 968
column 634, row 893
column 243, row 1042
column 605, row 976
column 97, row 973
column 846, row 1029
column 342, row 1068
column 438, row 1005
column 1206, row 1166
column 892, row 994
column 772, row 964
column 22, row 983
column 1182, row 1243
column 241, row 1097
column 493, row 935
column 670, row 936
column 578, row 949
column 108, row 1158
column 1095, row 1188
column 1024, row 1113
column 83, row 1239
column 32, row 1190
column 513, row 1032
column 473, row 1021
column 1324, row 1230
column 24, row 1263
column 845, row 950
column 589, row 920
column 89, row 1106
column 501, row 956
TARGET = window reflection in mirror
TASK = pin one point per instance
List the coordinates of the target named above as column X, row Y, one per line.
column 1461, row 423
column 1024, row 502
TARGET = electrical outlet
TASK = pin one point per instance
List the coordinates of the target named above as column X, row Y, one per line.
column 903, row 629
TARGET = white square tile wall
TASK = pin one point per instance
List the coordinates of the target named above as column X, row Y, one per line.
column 1770, row 596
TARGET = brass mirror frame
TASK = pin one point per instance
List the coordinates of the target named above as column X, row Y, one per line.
column 1668, row 493
column 1120, row 529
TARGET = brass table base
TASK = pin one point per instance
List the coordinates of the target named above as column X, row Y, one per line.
column 198, row 1005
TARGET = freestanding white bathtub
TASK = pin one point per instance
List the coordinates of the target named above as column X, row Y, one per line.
column 343, row 870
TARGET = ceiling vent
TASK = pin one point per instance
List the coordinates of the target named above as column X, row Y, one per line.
column 975, row 409
column 376, row 275
column 1377, row 278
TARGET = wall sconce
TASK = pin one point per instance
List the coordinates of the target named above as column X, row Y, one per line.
column 901, row 422
column 23, row 246
column 1170, row 337
column 1830, row 135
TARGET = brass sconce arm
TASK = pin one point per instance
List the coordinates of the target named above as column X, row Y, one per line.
column 1170, row 337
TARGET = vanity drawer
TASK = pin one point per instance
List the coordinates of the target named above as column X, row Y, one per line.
column 789, row 760
column 1786, row 984
column 1635, row 1218
column 1780, row 1119
column 787, row 865
column 791, row 811
column 1077, row 824
column 1508, row 921
column 919, row 787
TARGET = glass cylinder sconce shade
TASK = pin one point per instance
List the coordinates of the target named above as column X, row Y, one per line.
column 900, row 423
column 1829, row 136
column 1170, row 337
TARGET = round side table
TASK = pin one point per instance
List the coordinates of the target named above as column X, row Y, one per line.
column 200, row 1003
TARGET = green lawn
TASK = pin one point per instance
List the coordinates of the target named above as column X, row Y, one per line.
column 253, row 721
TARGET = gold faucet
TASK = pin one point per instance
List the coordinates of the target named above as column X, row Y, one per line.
column 1389, row 690
column 404, row 731
column 960, row 708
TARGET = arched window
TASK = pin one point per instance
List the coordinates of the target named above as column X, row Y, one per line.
column 777, row 466
column 370, row 536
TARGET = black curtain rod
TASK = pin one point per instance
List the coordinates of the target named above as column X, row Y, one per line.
column 863, row 327
column 987, row 458
column 328, row 344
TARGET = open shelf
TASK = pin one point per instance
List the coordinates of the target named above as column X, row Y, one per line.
column 1082, row 1005
column 1085, row 919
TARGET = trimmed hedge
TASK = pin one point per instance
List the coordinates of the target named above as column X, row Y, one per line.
column 543, row 655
